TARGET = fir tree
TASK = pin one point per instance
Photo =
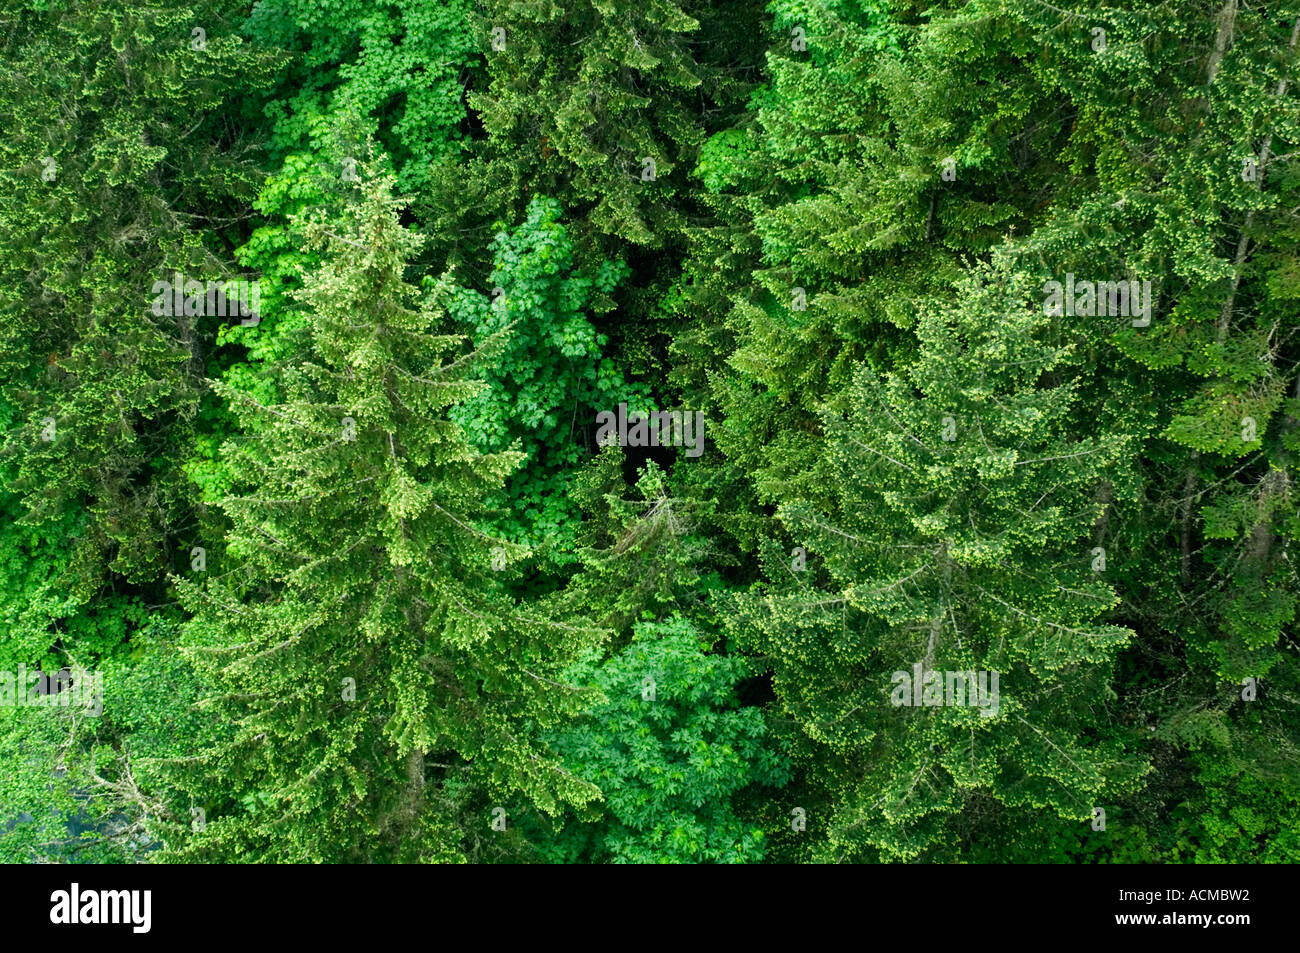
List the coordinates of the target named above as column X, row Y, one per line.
column 966, row 494
column 381, row 695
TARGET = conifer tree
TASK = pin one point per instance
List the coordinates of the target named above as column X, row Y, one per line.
column 381, row 696
column 640, row 556
column 1184, row 127
column 125, row 147
column 573, row 84
column 967, row 489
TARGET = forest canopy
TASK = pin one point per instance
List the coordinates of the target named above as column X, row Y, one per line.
column 681, row 431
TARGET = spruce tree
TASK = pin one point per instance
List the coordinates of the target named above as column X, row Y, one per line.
column 381, row 695
column 967, row 489
column 126, row 149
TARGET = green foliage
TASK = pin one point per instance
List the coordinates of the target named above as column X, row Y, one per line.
column 110, row 110
column 568, row 94
column 548, row 377
column 640, row 556
column 347, row 658
column 670, row 750
column 1238, row 817
column 427, row 603
column 72, row 793
column 390, row 70
column 958, row 541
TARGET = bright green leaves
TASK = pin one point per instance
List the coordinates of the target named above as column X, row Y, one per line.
column 670, row 751
column 549, row 376
column 396, row 67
